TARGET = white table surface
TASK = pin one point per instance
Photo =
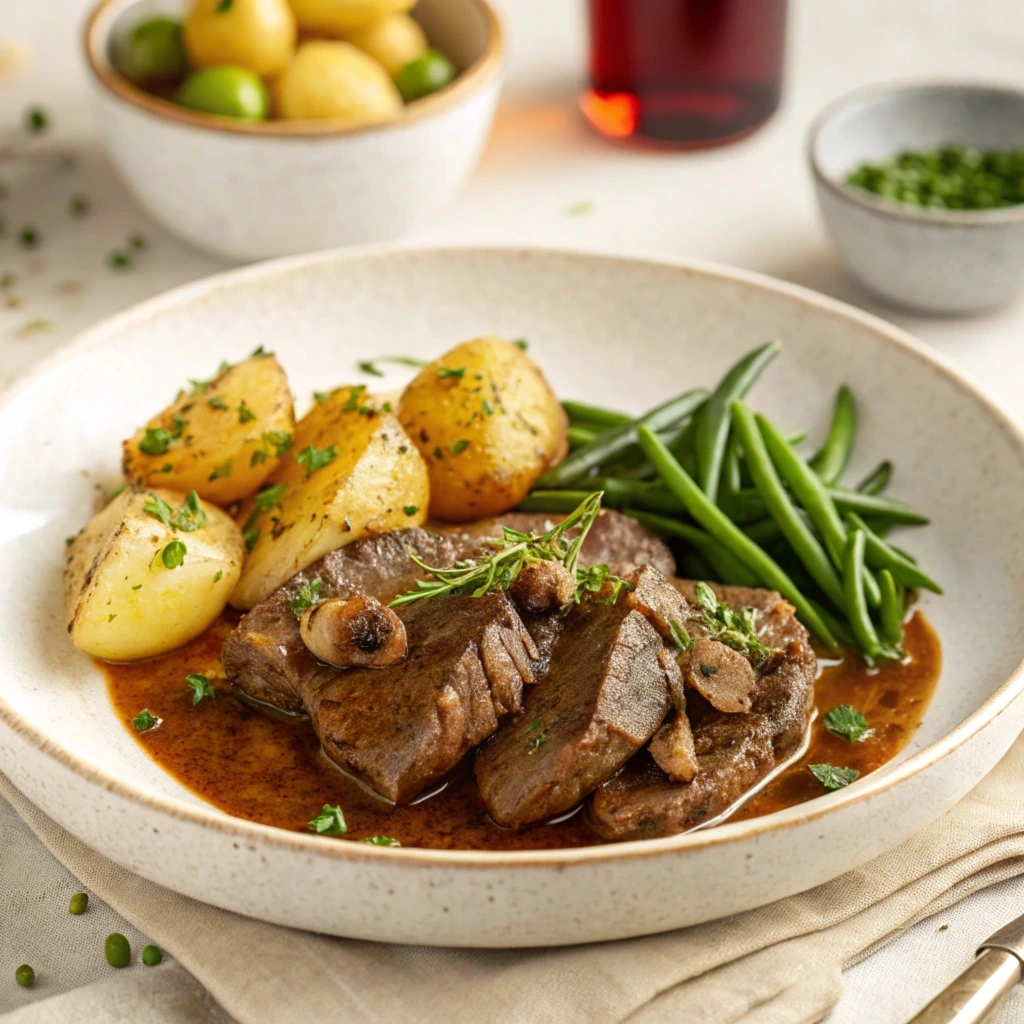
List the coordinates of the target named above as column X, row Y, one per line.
column 749, row 204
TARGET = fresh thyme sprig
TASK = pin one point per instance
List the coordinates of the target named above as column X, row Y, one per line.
column 737, row 630
column 515, row 549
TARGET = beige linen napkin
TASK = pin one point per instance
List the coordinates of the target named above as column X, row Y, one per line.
column 781, row 964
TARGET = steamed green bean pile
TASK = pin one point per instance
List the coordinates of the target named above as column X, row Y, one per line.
column 743, row 506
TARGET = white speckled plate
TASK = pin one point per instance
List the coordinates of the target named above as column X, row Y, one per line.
column 618, row 331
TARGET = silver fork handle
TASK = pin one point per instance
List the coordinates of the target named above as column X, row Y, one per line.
column 975, row 994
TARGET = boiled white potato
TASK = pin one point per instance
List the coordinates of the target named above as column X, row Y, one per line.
column 341, row 17
column 255, row 34
column 135, row 586
column 392, row 42
column 352, row 472
column 220, row 438
column 336, row 82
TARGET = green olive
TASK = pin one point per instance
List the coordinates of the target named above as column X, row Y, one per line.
column 152, row 955
column 117, row 950
column 227, row 91
column 152, row 54
column 430, row 71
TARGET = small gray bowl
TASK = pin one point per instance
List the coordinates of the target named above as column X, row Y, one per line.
column 935, row 261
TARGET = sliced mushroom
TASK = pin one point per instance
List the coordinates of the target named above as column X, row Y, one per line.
column 541, row 586
column 672, row 746
column 353, row 631
column 721, row 675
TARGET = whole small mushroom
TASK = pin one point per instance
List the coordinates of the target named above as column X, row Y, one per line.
column 350, row 632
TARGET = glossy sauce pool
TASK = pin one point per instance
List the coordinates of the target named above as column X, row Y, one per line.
column 272, row 771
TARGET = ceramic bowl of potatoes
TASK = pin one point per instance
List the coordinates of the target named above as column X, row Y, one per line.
column 260, row 128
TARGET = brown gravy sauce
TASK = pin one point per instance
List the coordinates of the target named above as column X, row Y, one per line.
column 271, row 770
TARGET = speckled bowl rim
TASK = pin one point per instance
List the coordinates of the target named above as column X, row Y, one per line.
column 482, row 71
column 207, row 816
column 891, row 208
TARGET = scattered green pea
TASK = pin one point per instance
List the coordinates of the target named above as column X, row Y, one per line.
column 25, row 976
column 226, row 91
column 79, row 903
column 117, row 950
column 952, row 178
column 151, row 956
column 430, row 71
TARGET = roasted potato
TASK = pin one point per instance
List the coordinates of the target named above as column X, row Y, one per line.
column 151, row 571
column 487, row 423
column 337, row 82
column 341, row 17
column 255, row 34
column 392, row 42
column 221, row 438
column 351, row 472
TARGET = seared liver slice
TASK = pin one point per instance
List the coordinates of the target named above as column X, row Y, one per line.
column 734, row 751
column 403, row 727
column 604, row 696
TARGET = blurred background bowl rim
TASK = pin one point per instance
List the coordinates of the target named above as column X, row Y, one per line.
column 892, row 208
column 482, row 71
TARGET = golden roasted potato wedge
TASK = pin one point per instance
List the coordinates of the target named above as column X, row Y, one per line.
column 222, row 438
column 352, row 471
column 487, row 423
column 149, row 572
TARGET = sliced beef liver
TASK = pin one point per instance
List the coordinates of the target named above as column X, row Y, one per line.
column 604, row 696
column 733, row 751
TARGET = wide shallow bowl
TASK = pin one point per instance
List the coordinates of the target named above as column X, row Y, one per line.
column 615, row 331
column 936, row 261
column 250, row 191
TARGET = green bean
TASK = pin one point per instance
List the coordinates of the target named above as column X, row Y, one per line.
column 634, row 494
column 731, row 475
column 876, row 506
column 708, row 515
column 834, row 454
column 726, row 566
column 812, row 494
column 614, row 440
column 801, row 538
column 579, row 436
column 763, row 531
column 877, row 480
column 856, row 602
column 694, row 567
column 880, row 555
column 592, row 415
column 839, row 628
column 892, row 609
column 713, row 426
column 797, row 437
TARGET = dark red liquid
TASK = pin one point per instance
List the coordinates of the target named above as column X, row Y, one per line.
column 684, row 72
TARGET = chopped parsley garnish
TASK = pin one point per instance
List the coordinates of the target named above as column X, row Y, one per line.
column 36, row 120
column 279, row 440
column 173, row 554
column 188, row 518
column 245, row 414
column 258, row 352
column 250, row 536
column 411, row 510
column 308, row 595
column 831, row 777
column 521, row 343
column 592, row 580
column 218, row 576
column 221, row 471
column 444, row 372
column 322, row 396
column 111, row 616
column 200, row 387
column 138, row 586
column 354, row 399
column 78, row 205
column 367, row 366
column 29, row 238
column 381, row 841
column 217, row 403
column 269, row 497
column 137, row 242
column 144, row 721
column 488, row 408
column 460, row 446
column 224, row 6
column 406, row 361
column 438, row 454
column 848, row 722
column 536, row 742
column 119, row 259
column 200, row 686
column 313, row 458
column 155, row 441
column 329, row 822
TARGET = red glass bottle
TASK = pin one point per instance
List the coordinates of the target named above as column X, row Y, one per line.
column 684, row 73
